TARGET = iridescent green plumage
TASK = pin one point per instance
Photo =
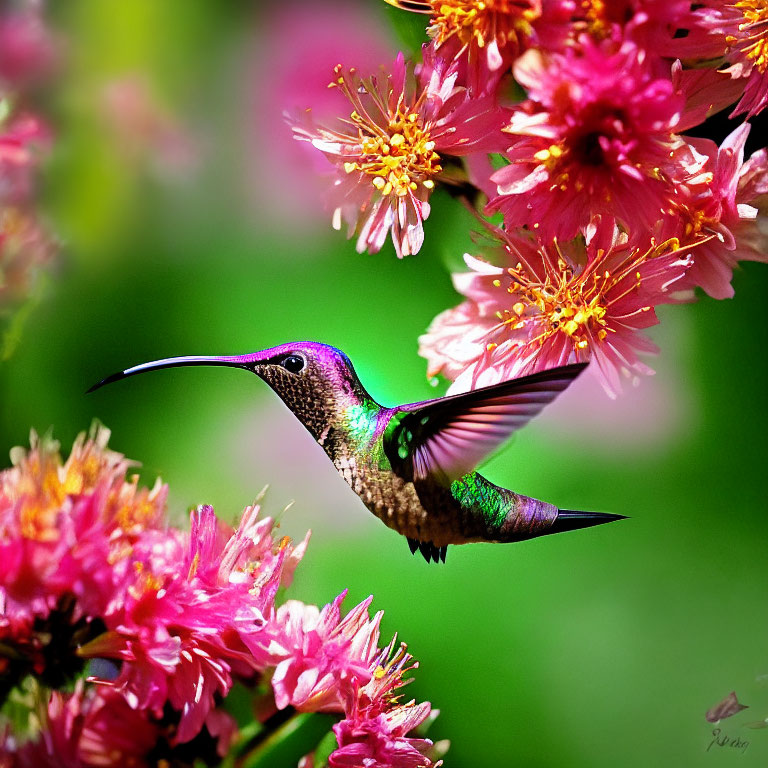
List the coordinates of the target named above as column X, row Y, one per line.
column 413, row 466
column 473, row 491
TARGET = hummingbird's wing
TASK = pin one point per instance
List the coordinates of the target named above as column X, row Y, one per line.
column 448, row 437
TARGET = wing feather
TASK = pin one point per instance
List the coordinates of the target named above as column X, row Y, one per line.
column 450, row 436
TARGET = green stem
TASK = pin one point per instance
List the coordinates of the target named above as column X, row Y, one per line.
column 286, row 737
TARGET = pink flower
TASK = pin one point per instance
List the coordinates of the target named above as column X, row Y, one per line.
column 20, row 139
column 745, row 24
column 381, row 742
column 113, row 733
column 715, row 212
column 180, row 620
column 392, row 150
column 24, row 246
column 96, row 727
column 489, row 34
column 318, row 650
column 651, row 24
column 549, row 307
column 374, row 731
column 26, row 52
column 60, row 523
column 738, row 33
column 84, row 551
column 595, row 138
column 24, row 249
column 26, row 48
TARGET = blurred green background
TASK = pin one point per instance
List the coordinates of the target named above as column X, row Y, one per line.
column 598, row 648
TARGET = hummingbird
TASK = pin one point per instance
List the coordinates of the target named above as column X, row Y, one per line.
column 413, row 465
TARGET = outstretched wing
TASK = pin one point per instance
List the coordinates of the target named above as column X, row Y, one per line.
column 450, row 436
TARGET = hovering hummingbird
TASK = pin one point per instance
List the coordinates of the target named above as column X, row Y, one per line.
column 413, row 465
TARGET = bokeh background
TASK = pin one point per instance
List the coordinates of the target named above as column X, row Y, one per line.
column 191, row 224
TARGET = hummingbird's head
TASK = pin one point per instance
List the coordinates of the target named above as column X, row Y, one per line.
column 315, row 381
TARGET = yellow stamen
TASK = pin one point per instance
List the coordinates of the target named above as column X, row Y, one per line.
column 399, row 160
column 549, row 157
column 193, row 566
column 571, row 301
column 752, row 41
column 145, row 582
column 481, row 22
column 596, row 18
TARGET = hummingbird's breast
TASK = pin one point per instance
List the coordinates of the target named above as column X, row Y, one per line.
column 427, row 512
column 361, row 461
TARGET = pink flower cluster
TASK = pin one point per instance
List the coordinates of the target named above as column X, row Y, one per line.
column 26, row 55
column 546, row 307
column 168, row 622
column 570, row 118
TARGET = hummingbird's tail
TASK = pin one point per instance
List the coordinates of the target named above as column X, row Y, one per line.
column 571, row 520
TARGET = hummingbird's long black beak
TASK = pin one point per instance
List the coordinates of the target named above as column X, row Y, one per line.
column 233, row 361
column 571, row 520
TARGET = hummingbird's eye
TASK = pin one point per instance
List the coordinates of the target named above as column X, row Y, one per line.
column 294, row 363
